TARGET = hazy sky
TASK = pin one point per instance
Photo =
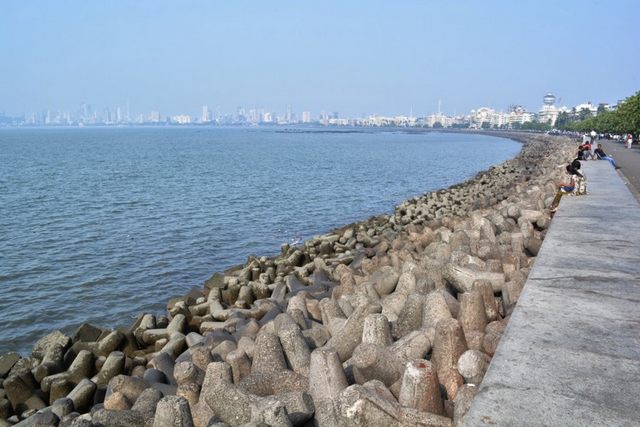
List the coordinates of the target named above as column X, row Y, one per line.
column 353, row 57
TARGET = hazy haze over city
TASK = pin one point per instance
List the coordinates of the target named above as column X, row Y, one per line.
column 359, row 57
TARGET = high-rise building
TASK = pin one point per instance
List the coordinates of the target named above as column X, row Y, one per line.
column 549, row 112
column 324, row 117
column 241, row 117
column 288, row 116
column 306, row 117
column 206, row 114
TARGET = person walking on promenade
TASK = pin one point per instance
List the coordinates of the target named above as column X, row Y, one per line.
column 600, row 154
column 629, row 140
column 592, row 143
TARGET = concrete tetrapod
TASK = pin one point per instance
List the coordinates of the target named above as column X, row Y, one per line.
column 373, row 362
column 234, row 405
column 81, row 368
column 473, row 318
column 462, row 278
column 146, row 404
column 472, row 365
column 420, row 388
column 189, row 377
column 326, row 380
column 435, row 309
column 173, row 411
column 294, row 345
column 220, row 398
column 124, row 418
column 349, row 336
column 376, row 330
column 411, row 316
column 114, row 365
column 269, row 372
column 372, row 404
column 82, row 395
column 129, row 387
column 448, row 346
column 490, row 305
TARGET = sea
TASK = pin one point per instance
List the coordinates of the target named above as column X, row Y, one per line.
column 100, row 224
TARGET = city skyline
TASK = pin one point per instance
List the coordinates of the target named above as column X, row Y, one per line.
column 514, row 115
column 120, row 112
column 356, row 58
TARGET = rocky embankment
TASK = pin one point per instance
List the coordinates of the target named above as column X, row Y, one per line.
column 391, row 321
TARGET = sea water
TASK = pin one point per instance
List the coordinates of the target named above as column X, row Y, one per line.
column 99, row 225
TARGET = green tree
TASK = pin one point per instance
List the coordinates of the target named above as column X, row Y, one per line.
column 534, row 125
column 485, row 125
column 584, row 114
column 563, row 120
column 437, row 125
column 601, row 109
column 626, row 118
column 628, row 113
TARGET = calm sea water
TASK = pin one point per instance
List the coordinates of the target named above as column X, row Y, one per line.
column 99, row 225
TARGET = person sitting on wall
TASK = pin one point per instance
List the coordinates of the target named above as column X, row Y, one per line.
column 601, row 155
column 571, row 187
column 584, row 151
column 580, row 178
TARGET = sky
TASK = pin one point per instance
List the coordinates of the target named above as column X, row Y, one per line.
column 351, row 57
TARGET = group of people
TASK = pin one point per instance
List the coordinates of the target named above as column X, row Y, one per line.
column 577, row 184
column 587, row 152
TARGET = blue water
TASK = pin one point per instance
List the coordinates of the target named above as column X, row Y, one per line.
column 99, row 225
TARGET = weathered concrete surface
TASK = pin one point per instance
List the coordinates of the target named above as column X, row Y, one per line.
column 570, row 355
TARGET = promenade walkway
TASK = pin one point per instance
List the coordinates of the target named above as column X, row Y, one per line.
column 628, row 160
column 571, row 353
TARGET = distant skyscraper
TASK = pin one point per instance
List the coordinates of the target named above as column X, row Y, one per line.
column 154, row 117
column 288, row 116
column 549, row 112
column 206, row 114
column 253, row 116
column 306, row 117
column 118, row 115
column 241, row 115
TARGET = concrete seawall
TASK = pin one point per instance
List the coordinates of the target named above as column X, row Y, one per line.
column 571, row 352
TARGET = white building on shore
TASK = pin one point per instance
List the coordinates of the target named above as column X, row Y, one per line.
column 586, row 106
column 549, row 112
column 520, row 115
column 181, row 119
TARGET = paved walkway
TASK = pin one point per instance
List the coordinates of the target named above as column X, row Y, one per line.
column 570, row 355
column 627, row 159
